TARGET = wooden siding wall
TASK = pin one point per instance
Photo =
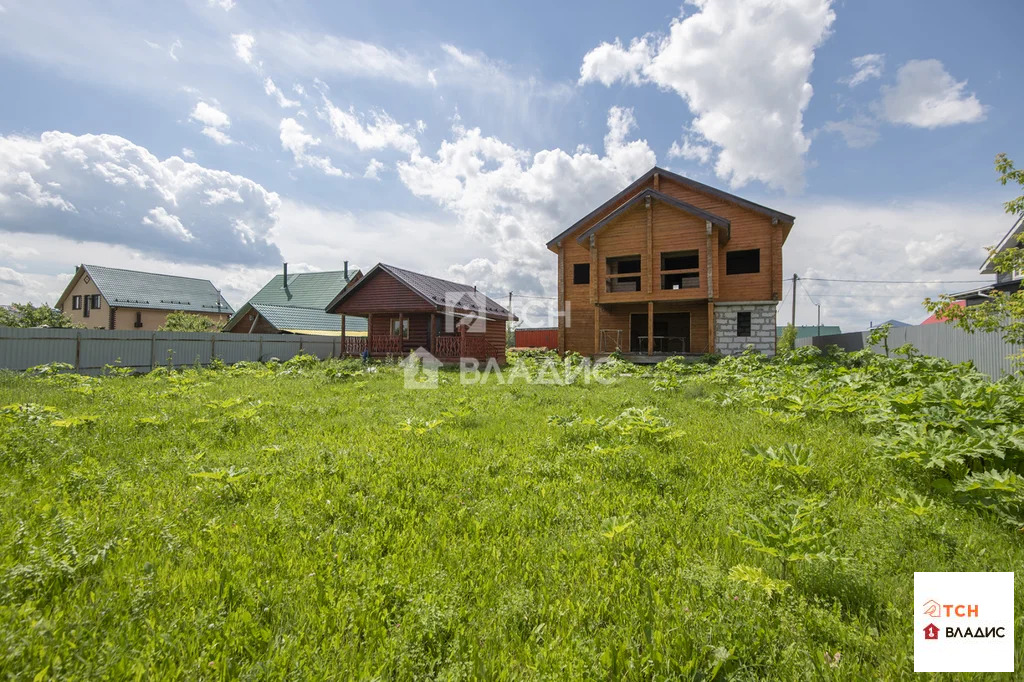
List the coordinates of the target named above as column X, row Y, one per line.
column 382, row 293
column 672, row 230
column 418, row 329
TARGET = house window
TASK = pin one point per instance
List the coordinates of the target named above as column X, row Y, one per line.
column 623, row 274
column 400, row 327
column 742, row 262
column 76, row 302
column 138, row 318
column 94, row 303
column 743, row 324
column 581, row 273
column 679, row 270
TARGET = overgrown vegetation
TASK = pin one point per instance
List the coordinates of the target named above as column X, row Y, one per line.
column 189, row 322
column 748, row 519
column 26, row 315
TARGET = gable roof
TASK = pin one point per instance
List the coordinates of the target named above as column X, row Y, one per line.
column 133, row 289
column 434, row 290
column 299, row 303
column 638, row 184
column 664, row 198
column 1009, row 241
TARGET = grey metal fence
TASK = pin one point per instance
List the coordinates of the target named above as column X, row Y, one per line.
column 987, row 350
column 90, row 350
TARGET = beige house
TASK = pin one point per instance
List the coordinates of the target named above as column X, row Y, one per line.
column 112, row 298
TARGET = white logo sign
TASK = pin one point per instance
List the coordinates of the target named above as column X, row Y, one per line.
column 963, row 622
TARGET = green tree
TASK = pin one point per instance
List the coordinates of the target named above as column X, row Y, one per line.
column 1003, row 312
column 788, row 339
column 189, row 322
column 28, row 315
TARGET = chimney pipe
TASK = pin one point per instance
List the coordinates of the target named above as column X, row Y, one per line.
column 285, row 275
column 346, row 271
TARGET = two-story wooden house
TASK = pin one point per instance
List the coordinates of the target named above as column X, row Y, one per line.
column 668, row 266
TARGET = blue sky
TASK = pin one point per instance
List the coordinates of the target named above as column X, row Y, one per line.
column 216, row 138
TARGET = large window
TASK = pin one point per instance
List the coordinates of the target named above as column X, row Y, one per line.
column 680, row 270
column 743, row 324
column 581, row 273
column 742, row 262
column 400, row 327
column 623, row 274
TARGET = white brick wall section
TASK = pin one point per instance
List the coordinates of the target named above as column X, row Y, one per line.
column 762, row 328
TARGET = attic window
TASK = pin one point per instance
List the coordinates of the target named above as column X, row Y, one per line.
column 743, row 262
column 581, row 273
column 76, row 302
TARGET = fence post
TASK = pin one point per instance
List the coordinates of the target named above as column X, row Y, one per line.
column 213, row 346
column 152, row 351
column 78, row 350
column 259, row 358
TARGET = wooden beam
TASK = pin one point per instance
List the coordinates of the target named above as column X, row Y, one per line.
column 431, row 331
column 650, row 327
column 343, row 335
column 597, row 329
column 561, row 299
column 710, row 259
column 711, row 327
column 593, row 270
column 650, row 242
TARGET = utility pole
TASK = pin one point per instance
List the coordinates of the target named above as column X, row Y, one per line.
column 793, row 319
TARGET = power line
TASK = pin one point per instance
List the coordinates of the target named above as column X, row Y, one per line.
column 899, row 281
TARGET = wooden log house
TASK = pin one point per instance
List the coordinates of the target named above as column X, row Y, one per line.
column 407, row 310
column 670, row 266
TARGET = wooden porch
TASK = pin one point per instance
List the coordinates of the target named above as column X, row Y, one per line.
column 398, row 334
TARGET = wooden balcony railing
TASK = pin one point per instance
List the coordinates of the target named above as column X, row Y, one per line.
column 448, row 347
column 354, row 345
column 386, row 344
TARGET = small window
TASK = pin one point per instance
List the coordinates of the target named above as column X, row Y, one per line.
column 76, row 302
column 581, row 273
column 138, row 318
column 95, row 303
column 743, row 324
column 400, row 327
column 742, row 262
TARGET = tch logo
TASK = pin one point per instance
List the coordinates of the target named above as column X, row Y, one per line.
column 936, row 610
column 931, row 631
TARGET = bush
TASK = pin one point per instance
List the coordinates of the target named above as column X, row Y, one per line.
column 189, row 322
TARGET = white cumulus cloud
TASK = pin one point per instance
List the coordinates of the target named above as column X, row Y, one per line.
column 243, row 44
column 104, row 188
column 271, row 89
column 296, row 140
column 380, row 132
column 927, row 96
column 742, row 66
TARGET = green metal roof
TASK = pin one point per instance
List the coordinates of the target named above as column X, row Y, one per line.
column 133, row 289
column 809, row 330
column 300, row 305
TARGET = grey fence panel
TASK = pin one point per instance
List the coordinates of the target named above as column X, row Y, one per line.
column 987, row 350
column 91, row 350
column 24, row 348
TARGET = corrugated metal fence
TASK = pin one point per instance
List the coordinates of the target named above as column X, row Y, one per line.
column 90, row 350
column 986, row 350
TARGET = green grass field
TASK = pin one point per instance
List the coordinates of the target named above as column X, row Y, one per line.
column 320, row 522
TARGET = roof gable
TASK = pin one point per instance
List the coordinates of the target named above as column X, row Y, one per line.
column 1011, row 240
column 647, row 194
column 639, row 184
column 133, row 289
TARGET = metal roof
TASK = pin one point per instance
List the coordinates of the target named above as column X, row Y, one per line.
column 133, row 289
column 439, row 292
column 299, row 303
column 1011, row 239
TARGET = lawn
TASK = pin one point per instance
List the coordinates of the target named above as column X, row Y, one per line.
column 319, row 521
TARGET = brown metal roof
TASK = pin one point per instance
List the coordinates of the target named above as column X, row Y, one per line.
column 440, row 293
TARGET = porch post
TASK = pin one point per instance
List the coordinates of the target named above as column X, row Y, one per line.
column 597, row 329
column 711, row 328
column 342, row 354
column 401, row 332
column 431, row 332
column 369, row 332
column 650, row 327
